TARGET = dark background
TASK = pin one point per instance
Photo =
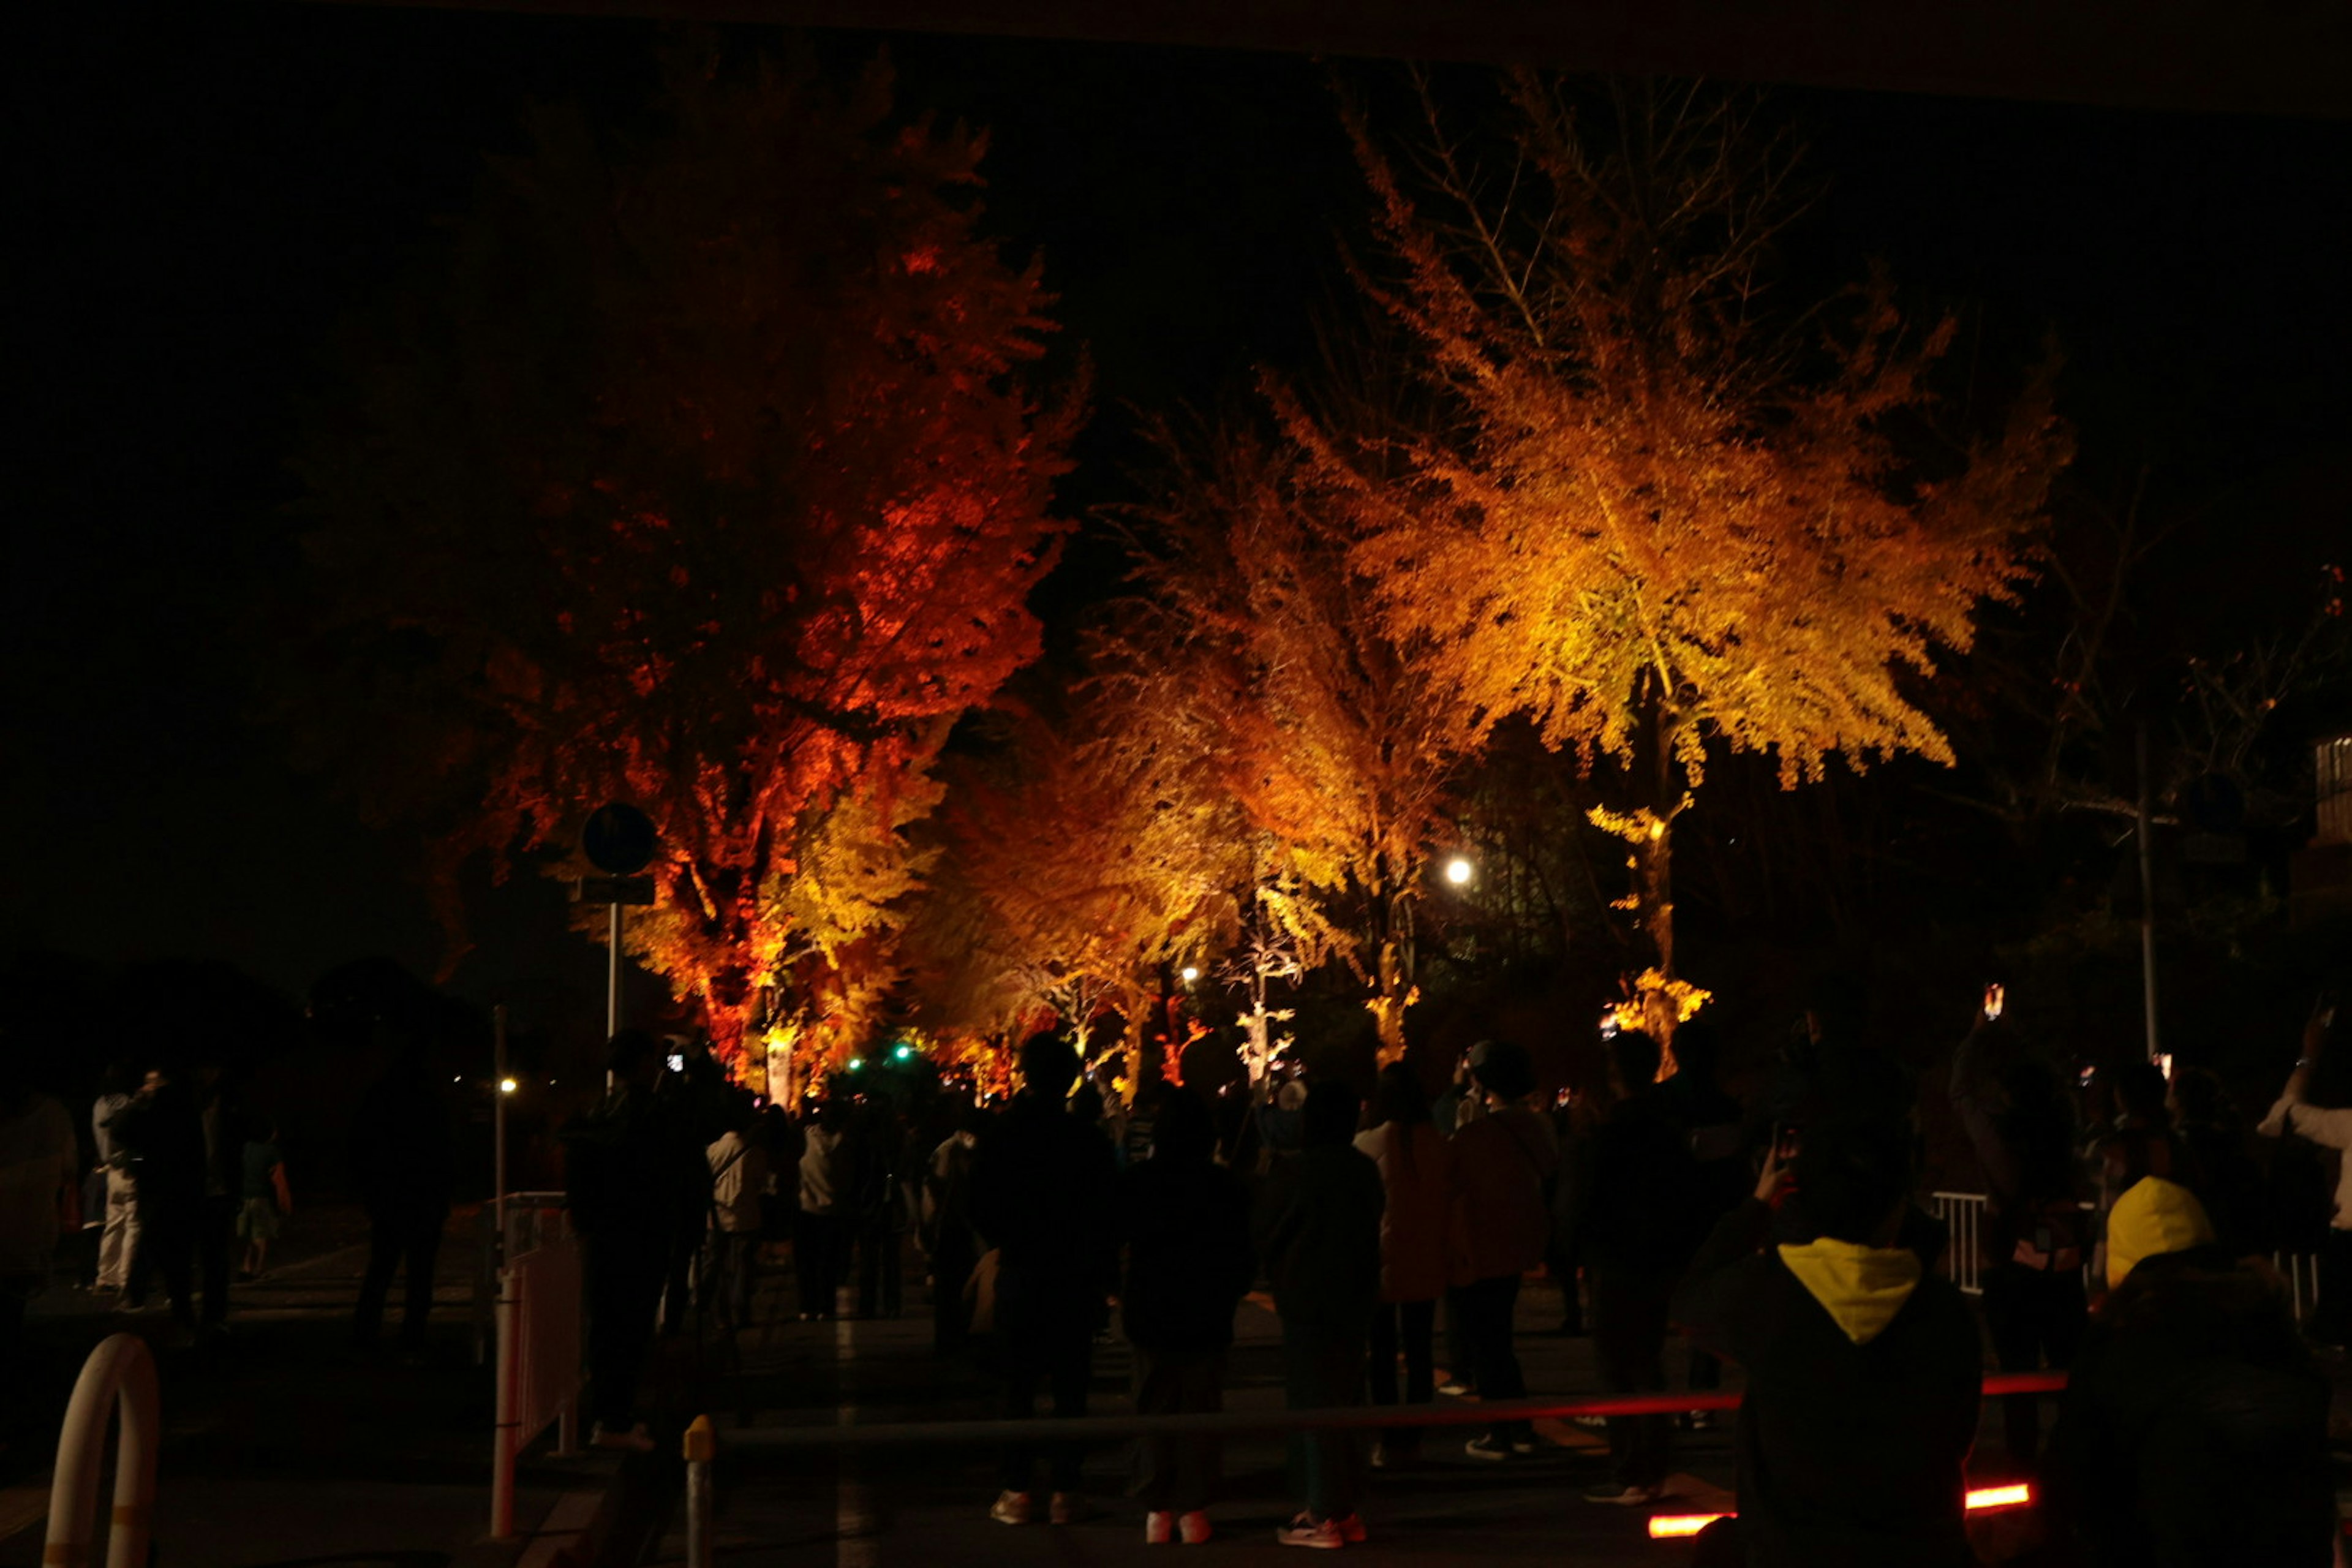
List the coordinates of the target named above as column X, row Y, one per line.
column 200, row 197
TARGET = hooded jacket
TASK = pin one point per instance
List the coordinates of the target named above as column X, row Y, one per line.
column 2194, row 1425
column 1863, row 1379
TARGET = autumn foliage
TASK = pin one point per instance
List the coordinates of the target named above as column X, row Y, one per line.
column 712, row 473
column 1658, row 508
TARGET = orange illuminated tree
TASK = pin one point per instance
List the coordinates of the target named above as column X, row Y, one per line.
column 712, row 474
column 1083, row 857
column 1662, row 506
column 1335, row 737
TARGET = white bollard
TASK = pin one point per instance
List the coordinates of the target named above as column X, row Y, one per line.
column 119, row 1376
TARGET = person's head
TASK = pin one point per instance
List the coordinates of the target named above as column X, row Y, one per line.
column 2139, row 1088
column 1633, row 1058
column 634, row 1058
column 1087, row 1103
column 1502, row 1071
column 1397, row 1097
column 1328, row 1119
column 1854, row 1177
column 1182, row 1128
column 2154, row 1219
column 1048, row 1065
column 154, row 1082
column 2198, row 1099
column 1698, row 1053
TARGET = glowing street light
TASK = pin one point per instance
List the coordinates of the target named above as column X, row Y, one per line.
column 905, row 1052
column 858, row 1064
column 1189, row 973
column 1459, row 872
column 507, row 1086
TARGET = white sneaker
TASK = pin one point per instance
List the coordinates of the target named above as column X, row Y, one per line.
column 1193, row 1530
column 1012, row 1508
column 1305, row 1531
column 1159, row 1529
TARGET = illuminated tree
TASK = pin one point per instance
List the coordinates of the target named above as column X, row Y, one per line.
column 713, row 474
column 1082, row 858
column 1335, row 737
column 1659, row 507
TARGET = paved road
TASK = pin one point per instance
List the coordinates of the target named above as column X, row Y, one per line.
column 929, row 1507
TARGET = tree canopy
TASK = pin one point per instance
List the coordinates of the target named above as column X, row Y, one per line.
column 711, row 472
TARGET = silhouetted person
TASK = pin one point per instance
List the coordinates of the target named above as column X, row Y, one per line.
column 1504, row 1165
column 620, row 1166
column 2193, row 1431
column 402, row 1163
column 40, row 1165
column 2034, row 1230
column 1186, row 1223
column 1637, row 1213
column 827, row 1179
column 1711, row 1124
column 1416, row 1164
column 162, row 1132
column 738, row 1174
column 1863, row 1367
column 2222, row 1171
column 1319, row 1231
column 948, row 1239
column 120, row 1240
column 1043, row 1196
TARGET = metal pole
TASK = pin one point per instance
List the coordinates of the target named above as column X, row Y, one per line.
column 509, row 1418
column 498, row 1132
column 2147, row 900
column 613, row 979
column 701, row 1447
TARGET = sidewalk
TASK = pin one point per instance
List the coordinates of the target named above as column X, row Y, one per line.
column 282, row 1444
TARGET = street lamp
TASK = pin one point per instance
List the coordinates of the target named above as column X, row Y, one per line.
column 507, row 1086
column 1459, row 872
column 1188, row 973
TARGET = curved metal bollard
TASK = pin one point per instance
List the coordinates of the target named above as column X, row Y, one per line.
column 119, row 1375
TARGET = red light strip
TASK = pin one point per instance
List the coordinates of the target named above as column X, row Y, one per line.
column 1678, row 1526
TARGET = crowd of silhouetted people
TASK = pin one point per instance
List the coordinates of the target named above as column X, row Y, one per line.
column 2127, row 1233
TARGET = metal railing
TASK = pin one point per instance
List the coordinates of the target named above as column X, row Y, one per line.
column 702, row 1438
column 119, row 1377
column 538, row 1305
column 1963, row 1217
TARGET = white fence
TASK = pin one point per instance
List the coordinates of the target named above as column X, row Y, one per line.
column 539, row 1340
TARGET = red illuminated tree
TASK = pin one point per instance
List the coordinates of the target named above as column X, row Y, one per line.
column 712, row 474
column 1659, row 506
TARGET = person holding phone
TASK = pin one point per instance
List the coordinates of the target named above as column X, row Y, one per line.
column 2019, row 1121
column 2330, row 1127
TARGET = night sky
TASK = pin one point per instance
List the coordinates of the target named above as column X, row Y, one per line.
column 200, row 198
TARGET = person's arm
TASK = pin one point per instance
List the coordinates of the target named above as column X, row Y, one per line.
column 2331, row 1127
column 1713, row 1298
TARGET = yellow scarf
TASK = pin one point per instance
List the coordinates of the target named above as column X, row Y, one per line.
column 1862, row 1288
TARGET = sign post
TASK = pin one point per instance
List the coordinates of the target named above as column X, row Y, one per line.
column 618, row 841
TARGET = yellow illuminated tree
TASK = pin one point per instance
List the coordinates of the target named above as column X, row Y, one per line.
column 1335, row 736
column 1659, row 506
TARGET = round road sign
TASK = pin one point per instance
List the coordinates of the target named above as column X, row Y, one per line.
column 618, row 840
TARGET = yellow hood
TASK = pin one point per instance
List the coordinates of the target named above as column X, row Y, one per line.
column 2155, row 1218
column 1862, row 1288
